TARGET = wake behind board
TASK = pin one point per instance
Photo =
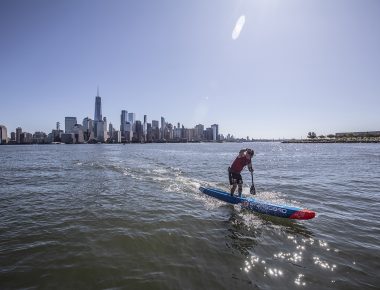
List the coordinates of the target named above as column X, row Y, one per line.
column 260, row 206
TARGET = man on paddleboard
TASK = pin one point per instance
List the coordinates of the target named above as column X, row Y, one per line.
column 244, row 158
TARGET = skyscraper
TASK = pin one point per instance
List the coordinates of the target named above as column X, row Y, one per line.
column 199, row 131
column 69, row 124
column 18, row 135
column 131, row 117
column 155, row 124
column 128, row 133
column 155, row 130
column 3, row 135
column 99, row 131
column 139, row 131
column 145, row 127
column 123, row 121
column 215, row 132
column 88, row 128
column 132, row 120
column 98, row 108
column 110, row 130
column 163, row 128
column 105, row 134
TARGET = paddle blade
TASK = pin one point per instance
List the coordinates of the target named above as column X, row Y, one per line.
column 253, row 190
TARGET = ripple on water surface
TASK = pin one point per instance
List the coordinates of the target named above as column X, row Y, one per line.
column 110, row 216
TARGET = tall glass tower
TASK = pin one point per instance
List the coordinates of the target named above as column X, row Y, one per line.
column 215, row 132
column 123, row 121
column 98, row 108
column 132, row 120
column 69, row 124
column 163, row 125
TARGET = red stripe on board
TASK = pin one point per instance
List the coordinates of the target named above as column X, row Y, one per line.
column 303, row 214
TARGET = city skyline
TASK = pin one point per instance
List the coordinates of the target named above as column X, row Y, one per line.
column 130, row 130
column 70, row 121
column 264, row 69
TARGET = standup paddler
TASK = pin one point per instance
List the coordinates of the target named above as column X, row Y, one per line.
column 244, row 158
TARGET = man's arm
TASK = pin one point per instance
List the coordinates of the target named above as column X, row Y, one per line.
column 250, row 168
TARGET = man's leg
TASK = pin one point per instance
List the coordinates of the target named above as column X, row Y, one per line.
column 233, row 187
column 240, row 189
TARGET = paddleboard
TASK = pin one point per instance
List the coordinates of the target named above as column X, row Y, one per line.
column 260, row 206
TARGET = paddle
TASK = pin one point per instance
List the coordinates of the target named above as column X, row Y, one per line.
column 253, row 189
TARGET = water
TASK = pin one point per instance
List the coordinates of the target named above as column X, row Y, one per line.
column 131, row 217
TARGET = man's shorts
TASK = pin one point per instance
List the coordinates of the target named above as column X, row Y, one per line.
column 235, row 178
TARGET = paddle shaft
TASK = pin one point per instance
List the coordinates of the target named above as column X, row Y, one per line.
column 253, row 189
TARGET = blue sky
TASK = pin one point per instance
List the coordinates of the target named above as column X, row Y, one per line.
column 296, row 66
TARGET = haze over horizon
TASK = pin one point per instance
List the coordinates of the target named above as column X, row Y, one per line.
column 263, row 69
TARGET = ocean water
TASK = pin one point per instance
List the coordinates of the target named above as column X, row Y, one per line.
column 132, row 217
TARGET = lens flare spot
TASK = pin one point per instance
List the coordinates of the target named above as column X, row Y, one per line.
column 238, row 27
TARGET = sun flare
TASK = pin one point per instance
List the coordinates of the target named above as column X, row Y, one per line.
column 238, row 27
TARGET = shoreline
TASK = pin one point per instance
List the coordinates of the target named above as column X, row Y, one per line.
column 293, row 141
column 330, row 141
